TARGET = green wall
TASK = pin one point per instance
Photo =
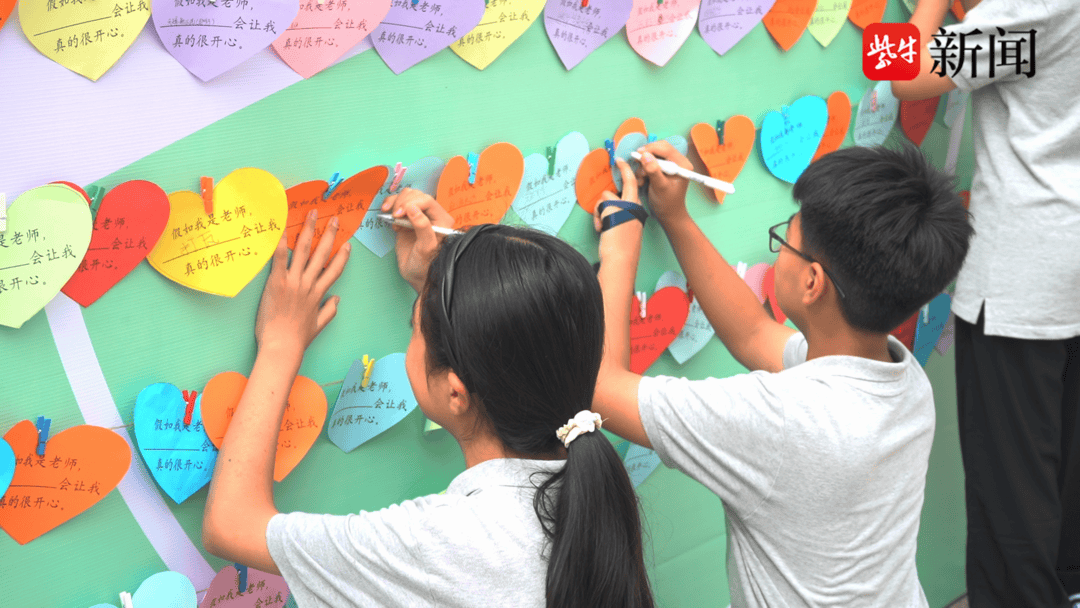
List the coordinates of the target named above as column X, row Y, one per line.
column 359, row 114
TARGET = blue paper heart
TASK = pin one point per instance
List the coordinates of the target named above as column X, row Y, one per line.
column 927, row 332
column 545, row 201
column 697, row 331
column 640, row 463
column 181, row 458
column 633, row 141
column 790, row 138
column 875, row 117
column 362, row 413
column 162, row 590
column 7, row 465
column 422, row 175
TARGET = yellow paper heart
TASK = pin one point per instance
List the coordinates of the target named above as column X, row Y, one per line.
column 86, row 37
column 503, row 22
column 220, row 253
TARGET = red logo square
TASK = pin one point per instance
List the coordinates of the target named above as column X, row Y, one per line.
column 891, row 51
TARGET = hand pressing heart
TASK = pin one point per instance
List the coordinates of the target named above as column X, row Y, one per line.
column 349, row 202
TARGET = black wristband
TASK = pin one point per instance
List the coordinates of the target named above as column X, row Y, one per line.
column 629, row 211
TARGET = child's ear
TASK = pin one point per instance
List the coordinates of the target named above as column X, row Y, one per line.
column 814, row 284
column 459, row 397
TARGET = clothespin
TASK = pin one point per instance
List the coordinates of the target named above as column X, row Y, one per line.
column 189, row 399
column 474, row 159
column 96, row 193
column 720, row 130
column 415, row 2
column 125, row 600
column 369, row 364
column 610, row 145
column 925, row 313
column 3, row 211
column 206, row 184
column 335, row 181
column 651, row 138
column 642, row 298
column 399, row 172
column 584, row 3
column 741, row 269
column 551, row 160
column 43, row 424
column 241, row 578
column 873, row 101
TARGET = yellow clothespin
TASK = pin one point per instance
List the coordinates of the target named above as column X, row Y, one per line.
column 369, row 364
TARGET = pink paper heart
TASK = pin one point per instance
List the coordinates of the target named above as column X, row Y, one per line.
column 263, row 589
column 321, row 33
column 656, row 31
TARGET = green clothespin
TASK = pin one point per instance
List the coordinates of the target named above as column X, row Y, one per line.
column 96, row 193
column 551, row 160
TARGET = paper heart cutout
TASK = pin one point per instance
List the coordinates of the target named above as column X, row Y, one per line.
column 324, row 31
column 362, row 413
column 220, row 254
column 839, row 106
column 422, row 175
column 410, row 33
column 929, row 331
column 48, row 231
column 829, row 16
column 503, row 22
column 193, row 33
column 755, row 279
column 948, row 336
column 180, row 457
column 349, row 202
column 955, row 101
column 905, row 332
column 594, row 177
column 724, row 161
column 723, row 23
column 787, row 19
column 865, row 12
column 7, row 465
column 628, row 126
column 640, row 462
column 696, row 331
column 85, row 37
column 162, row 590
column 666, row 313
column 768, row 288
column 498, row 177
column 74, row 187
column 5, row 9
column 545, row 201
column 80, row 466
column 790, row 137
column 304, row 416
column 958, row 11
column 965, row 197
column 128, row 224
column 576, row 31
column 633, row 141
column 263, row 589
column 657, row 31
column 877, row 112
column 916, row 118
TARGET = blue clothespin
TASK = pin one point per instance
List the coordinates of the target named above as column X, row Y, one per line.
column 551, row 160
column 43, row 433
column 474, row 159
column 241, row 570
column 96, row 193
column 610, row 145
column 651, row 138
column 415, row 2
column 335, row 180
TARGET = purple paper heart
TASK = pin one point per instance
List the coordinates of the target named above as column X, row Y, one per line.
column 723, row 23
column 410, row 33
column 210, row 38
column 576, row 30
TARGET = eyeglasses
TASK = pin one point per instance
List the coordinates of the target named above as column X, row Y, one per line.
column 775, row 241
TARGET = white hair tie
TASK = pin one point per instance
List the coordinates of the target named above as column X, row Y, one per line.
column 584, row 422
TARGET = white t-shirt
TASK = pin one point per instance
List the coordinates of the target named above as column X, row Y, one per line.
column 820, row 467
column 1024, row 261
column 478, row 545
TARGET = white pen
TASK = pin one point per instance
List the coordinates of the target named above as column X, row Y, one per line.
column 404, row 223
column 672, row 169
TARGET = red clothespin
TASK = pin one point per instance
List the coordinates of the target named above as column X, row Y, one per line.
column 584, row 3
column 207, row 186
column 189, row 399
column 399, row 172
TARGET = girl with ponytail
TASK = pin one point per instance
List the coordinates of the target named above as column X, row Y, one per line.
column 508, row 334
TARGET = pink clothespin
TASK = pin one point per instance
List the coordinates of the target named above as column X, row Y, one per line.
column 873, row 101
column 399, row 172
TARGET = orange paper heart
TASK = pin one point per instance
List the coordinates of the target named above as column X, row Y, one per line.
column 916, row 118
column 348, row 202
column 724, row 161
column 498, row 176
column 865, row 12
column 594, row 178
column 787, row 19
column 768, row 287
column 958, row 10
column 965, row 196
column 300, row 427
column 630, row 125
column 666, row 313
column 80, row 466
column 837, row 127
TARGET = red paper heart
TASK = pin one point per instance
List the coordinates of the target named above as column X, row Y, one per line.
column 498, row 177
column 768, row 287
column 348, row 202
column 128, row 224
column 6, row 7
column 865, row 12
column 666, row 314
column 80, row 466
column 917, row 116
column 906, row 332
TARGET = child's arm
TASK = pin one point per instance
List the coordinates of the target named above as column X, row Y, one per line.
column 616, row 396
column 416, row 246
column 292, row 312
column 928, row 17
column 753, row 337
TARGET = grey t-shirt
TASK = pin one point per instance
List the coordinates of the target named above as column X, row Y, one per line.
column 1024, row 261
column 820, row 468
column 478, row 545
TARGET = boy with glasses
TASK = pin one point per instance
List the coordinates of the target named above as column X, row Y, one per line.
column 820, row 453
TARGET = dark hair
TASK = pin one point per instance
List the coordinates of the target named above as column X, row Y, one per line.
column 526, row 328
column 889, row 225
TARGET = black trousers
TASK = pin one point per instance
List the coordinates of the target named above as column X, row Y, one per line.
column 1020, row 442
